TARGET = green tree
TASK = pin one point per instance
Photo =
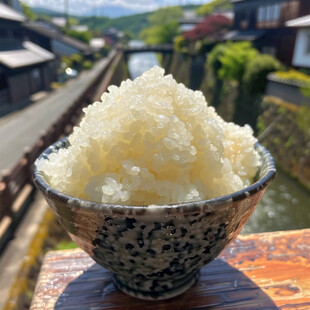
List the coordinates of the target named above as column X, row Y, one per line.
column 28, row 12
column 208, row 8
column 214, row 65
column 257, row 69
column 229, row 62
column 180, row 44
column 164, row 26
column 73, row 21
column 214, row 59
column 160, row 33
column 253, row 88
column 83, row 36
column 128, row 35
column 235, row 59
column 165, row 15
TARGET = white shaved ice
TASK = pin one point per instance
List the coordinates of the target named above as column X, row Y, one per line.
column 152, row 141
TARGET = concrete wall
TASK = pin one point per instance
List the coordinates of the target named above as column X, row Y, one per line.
column 287, row 92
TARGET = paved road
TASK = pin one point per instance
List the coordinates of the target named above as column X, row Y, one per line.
column 23, row 128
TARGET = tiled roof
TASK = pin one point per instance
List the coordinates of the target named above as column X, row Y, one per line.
column 7, row 12
column 55, row 34
column 303, row 21
column 26, row 54
column 245, row 35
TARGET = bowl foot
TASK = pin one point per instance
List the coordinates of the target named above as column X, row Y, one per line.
column 155, row 289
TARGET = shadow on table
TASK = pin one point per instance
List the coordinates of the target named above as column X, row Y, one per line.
column 220, row 286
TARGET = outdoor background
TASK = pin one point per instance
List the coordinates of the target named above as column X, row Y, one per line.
column 250, row 58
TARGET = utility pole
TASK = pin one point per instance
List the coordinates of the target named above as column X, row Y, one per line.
column 96, row 4
column 67, row 14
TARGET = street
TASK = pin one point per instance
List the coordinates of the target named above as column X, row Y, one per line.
column 22, row 128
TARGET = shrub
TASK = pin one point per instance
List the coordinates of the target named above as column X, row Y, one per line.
column 213, row 60
column 83, row 36
column 208, row 8
column 87, row 64
column 164, row 26
column 296, row 76
column 256, row 71
column 180, row 44
column 235, row 59
column 67, row 60
column 303, row 120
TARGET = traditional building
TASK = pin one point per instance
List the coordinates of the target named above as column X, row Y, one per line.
column 52, row 39
column 25, row 68
column 263, row 23
column 301, row 56
column 212, row 28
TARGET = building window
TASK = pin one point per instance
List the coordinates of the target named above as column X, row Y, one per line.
column 268, row 16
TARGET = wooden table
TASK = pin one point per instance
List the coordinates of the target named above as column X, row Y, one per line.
column 257, row 271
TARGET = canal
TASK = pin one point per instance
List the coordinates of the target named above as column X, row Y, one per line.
column 285, row 205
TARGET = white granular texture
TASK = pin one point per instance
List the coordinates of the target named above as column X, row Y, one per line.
column 152, row 141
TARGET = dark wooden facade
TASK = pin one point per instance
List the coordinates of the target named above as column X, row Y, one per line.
column 20, row 74
column 265, row 21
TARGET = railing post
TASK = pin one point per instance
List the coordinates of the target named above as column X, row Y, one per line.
column 6, row 197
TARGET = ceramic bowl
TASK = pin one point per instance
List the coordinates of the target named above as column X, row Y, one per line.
column 155, row 252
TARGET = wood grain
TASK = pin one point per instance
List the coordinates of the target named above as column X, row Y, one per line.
column 257, row 271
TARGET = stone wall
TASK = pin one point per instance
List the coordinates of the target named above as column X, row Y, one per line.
column 288, row 136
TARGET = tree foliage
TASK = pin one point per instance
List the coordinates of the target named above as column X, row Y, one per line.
column 165, row 15
column 160, row 33
column 83, row 36
column 235, row 59
column 132, row 23
column 28, row 12
column 164, row 26
column 180, row 44
column 214, row 57
column 212, row 28
column 208, row 8
column 256, row 72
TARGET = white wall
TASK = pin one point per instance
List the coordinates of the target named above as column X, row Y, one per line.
column 301, row 58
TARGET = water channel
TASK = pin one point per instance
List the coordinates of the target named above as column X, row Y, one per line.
column 285, row 205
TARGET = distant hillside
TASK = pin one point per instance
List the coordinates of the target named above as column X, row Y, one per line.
column 43, row 11
column 111, row 11
column 133, row 23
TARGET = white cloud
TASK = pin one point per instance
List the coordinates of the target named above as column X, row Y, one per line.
column 81, row 6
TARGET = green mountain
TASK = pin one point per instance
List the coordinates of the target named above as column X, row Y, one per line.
column 133, row 23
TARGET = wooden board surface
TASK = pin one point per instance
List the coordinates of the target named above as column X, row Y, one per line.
column 257, row 271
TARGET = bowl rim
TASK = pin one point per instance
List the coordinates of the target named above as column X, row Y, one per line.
column 185, row 207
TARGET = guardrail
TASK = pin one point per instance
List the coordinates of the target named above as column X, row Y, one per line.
column 16, row 187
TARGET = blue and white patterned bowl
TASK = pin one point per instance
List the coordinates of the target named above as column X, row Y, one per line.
column 155, row 252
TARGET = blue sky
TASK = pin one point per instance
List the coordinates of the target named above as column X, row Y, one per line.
column 78, row 6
